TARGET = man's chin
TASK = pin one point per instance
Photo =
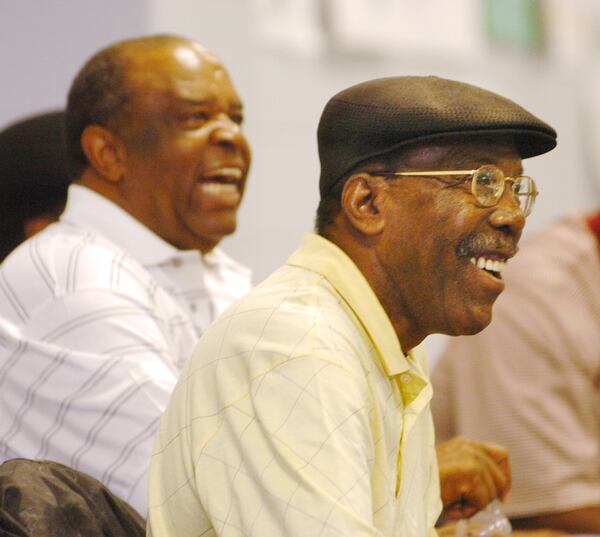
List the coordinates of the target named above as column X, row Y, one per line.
column 473, row 322
column 216, row 233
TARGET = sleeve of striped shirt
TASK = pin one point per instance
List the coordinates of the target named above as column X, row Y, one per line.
column 84, row 381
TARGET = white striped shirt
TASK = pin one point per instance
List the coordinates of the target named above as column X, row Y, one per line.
column 97, row 317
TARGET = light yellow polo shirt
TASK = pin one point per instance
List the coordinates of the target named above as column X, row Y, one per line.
column 299, row 415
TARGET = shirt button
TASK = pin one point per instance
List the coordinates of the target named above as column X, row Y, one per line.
column 193, row 307
column 177, row 262
column 406, row 378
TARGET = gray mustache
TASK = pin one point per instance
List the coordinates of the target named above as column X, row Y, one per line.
column 473, row 244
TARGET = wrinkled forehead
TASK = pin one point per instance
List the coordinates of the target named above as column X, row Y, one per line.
column 187, row 69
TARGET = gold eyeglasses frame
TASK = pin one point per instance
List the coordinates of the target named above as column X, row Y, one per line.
column 525, row 200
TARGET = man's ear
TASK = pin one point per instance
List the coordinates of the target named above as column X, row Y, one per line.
column 104, row 151
column 360, row 202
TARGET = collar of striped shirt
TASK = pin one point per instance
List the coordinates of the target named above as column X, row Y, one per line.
column 88, row 209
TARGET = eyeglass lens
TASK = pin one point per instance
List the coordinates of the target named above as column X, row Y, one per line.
column 488, row 187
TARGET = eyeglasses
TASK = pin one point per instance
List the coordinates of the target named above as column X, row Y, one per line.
column 487, row 185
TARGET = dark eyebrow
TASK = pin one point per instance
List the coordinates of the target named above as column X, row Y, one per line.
column 235, row 106
column 464, row 163
column 194, row 102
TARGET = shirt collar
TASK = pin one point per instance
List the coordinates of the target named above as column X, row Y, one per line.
column 86, row 208
column 322, row 256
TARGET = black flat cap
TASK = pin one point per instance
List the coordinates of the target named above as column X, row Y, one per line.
column 33, row 152
column 378, row 116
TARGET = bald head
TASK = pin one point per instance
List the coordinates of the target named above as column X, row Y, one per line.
column 102, row 91
column 155, row 126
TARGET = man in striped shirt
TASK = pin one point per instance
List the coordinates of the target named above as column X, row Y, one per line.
column 99, row 311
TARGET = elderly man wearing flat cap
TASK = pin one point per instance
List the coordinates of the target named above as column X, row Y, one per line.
column 304, row 409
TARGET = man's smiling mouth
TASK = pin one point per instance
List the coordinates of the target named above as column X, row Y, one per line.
column 228, row 174
column 492, row 266
column 223, row 183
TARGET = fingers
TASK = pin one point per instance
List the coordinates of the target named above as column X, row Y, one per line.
column 500, row 456
column 500, row 475
column 447, row 530
column 471, row 475
column 466, row 493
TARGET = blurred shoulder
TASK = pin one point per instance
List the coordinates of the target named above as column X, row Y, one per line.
column 65, row 259
column 557, row 248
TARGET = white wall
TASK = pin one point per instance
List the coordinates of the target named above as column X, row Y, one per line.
column 43, row 44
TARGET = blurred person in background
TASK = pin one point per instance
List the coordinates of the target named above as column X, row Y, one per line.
column 99, row 312
column 35, row 172
column 531, row 380
column 304, row 409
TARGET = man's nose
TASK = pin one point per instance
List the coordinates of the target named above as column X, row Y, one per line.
column 508, row 213
column 226, row 132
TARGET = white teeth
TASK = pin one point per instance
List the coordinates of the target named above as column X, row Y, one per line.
column 493, row 265
column 229, row 173
column 218, row 188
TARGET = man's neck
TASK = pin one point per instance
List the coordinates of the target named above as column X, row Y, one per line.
column 365, row 259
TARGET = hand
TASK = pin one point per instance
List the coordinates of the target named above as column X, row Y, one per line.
column 472, row 474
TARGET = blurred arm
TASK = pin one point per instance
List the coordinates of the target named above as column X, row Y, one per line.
column 584, row 520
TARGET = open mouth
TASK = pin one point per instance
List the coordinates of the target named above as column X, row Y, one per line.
column 221, row 188
column 223, row 175
column 494, row 267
